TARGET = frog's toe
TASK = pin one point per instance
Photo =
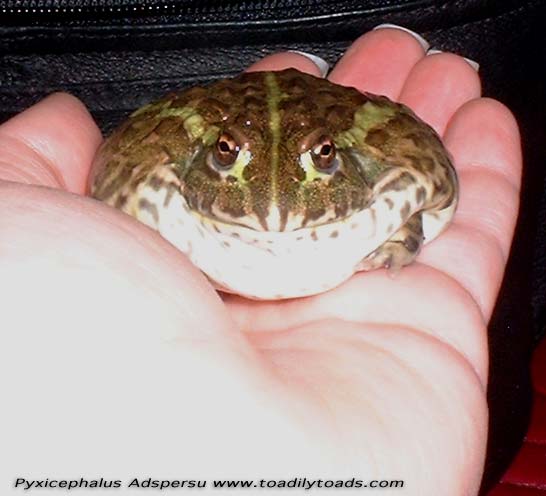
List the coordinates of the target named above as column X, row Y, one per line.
column 399, row 250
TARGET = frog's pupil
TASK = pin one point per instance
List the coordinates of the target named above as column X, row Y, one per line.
column 226, row 151
column 324, row 153
column 224, row 147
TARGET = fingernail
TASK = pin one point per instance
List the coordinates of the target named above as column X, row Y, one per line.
column 323, row 66
column 472, row 63
column 424, row 43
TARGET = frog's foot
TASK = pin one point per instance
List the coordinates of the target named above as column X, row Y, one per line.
column 399, row 250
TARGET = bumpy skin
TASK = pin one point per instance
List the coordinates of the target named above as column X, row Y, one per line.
column 389, row 187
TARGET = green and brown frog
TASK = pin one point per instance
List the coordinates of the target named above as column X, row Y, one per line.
column 280, row 184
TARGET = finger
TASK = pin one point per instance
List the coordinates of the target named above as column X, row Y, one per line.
column 50, row 144
column 483, row 138
column 379, row 62
column 287, row 60
column 438, row 85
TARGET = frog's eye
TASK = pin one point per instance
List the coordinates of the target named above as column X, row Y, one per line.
column 323, row 154
column 225, row 151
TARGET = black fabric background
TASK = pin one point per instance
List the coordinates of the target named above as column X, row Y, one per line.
column 116, row 62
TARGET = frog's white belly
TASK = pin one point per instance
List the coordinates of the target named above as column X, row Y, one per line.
column 274, row 265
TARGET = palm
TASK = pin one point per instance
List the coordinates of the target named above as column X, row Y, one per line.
column 380, row 373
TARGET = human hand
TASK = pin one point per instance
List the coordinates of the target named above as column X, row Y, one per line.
column 141, row 368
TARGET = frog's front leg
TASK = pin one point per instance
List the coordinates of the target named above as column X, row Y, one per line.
column 400, row 249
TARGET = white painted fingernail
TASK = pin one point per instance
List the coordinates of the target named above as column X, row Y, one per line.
column 323, row 66
column 424, row 43
column 472, row 63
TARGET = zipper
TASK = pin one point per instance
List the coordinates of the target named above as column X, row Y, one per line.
column 50, row 10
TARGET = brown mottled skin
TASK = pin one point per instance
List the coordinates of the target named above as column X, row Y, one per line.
column 381, row 150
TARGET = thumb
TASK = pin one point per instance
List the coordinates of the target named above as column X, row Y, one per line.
column 50, row 144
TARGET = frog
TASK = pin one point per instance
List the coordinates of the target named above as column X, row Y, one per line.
column 280, row 185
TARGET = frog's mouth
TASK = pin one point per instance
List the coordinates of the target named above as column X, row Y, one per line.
column 274, row 222
column 360, row 227
column 247, row 231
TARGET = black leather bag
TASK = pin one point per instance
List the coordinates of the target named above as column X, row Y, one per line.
column 118, row 54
